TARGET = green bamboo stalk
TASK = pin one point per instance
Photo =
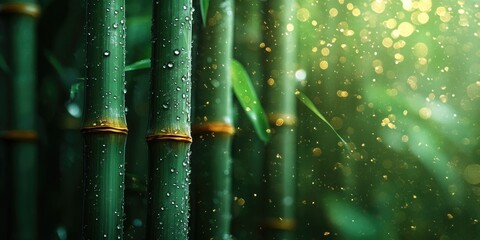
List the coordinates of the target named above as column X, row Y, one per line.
column 104, row 126
column 19, row 135
column 211, row 163
column 168, row 133
column 279, row 37
column 247, row 148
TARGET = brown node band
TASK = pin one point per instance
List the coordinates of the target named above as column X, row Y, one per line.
column 29, row 9
column 107, row 129
column 214, row 127
column 19, row 135
column 169, row 136
column 280, row 224
column 280, row 119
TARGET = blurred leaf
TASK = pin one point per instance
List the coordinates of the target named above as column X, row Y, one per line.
column 75, row 88
column 350, row 220
column 55, row 63
column 204, row 11
column 245, row 92
column 142, row 64
column 310, row 105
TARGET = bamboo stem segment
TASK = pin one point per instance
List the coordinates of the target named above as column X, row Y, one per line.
column 279, row 69
column 104, row 126
column 18, row 127
column 168, row 133
column 211, row 166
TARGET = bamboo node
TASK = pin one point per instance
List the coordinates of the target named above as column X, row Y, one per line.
column 29, row 9
column 19, row 135
column 104, row 128
column 214, row 127
column 280, row 119
column 169, row 136
column 280, row 224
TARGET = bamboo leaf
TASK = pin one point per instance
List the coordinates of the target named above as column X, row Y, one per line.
column 138, row 65
column 204, row 11
column 74, row 89
column 245, row 93
column 310, row 105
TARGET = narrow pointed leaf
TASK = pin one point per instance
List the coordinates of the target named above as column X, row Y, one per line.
column 245, row 93
column 204, row 11
column 138, row 65
column 310, row 105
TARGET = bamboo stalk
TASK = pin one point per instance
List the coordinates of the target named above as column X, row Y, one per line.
column 211, row 163
column 104, row 126
column 280, row 105
column 18, row 134
column 168, row 133
column 247, row 148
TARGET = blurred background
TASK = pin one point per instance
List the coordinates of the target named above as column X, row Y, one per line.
column 398, row 80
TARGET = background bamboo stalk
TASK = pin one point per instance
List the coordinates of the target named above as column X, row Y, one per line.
column 280, row 104
column 104, row 126
column 247, row 148
column 169, row 122
column 19, row 127
column 211, row 163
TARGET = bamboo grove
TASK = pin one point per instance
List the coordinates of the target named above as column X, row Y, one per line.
column 239, row 119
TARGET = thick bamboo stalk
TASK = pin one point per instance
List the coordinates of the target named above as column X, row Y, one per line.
column 104, row 126
column 18, row 135
column 280, row 105
column 247, row 148
column 169, row 122
column 211, row 163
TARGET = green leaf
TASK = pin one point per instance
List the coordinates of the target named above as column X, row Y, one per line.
column 352, row 221
column 309, row 104
column 55, row 63
column 245, row 93
column 142, row 64
column 75, row 88
column 204, row 11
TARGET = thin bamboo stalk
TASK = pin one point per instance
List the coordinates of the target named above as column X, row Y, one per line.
column 247, row 148
column 168, row 134
column 19, row 133
column 211, row 163
column 280, row 105
column 104, row 126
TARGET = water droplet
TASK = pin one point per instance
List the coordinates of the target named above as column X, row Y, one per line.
column 176, row 52
column 115, row 25
column 106, row 53
column 170, row 64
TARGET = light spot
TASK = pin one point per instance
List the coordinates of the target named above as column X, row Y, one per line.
column 471, row 173
column 406, row 29
column 323, row 64
column 425, row 113
column 303, row 14
column 290, row 27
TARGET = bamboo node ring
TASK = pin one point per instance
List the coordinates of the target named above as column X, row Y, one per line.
column 280, row 224
column 19, row 135
column 214, row 127
column 169, row 136
column 29, row 9
column 109, row 129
